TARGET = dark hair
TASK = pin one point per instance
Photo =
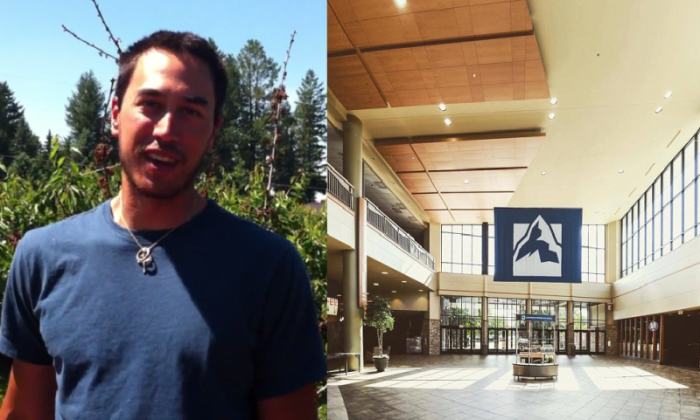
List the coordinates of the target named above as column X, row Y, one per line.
column 177, row 43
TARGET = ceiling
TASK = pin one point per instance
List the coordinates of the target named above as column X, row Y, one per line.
column 609, row 64
column 430, row 52
column 386, row 283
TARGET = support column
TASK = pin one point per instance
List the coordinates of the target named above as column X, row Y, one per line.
column 484, row 325
column 431, row 326
column 352, row 171
column 611, row 333
column 570, row 328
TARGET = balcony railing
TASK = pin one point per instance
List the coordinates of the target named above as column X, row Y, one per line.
column 340, row 187
column 391, row 230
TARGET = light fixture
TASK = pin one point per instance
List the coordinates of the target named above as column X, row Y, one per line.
column 340, row 295
column 385, row 272
column 668, row 94
column 404, row 281
column 400, row 3
column 544, row 173
column 442, row 107
column 552, row 116
column 466, row 181
column 420, row 290
column 393, row 291
column 621, row 171
column 448, row 121
column 376, row 284
column 553, row 101
column 659, row 109
column 474, row 75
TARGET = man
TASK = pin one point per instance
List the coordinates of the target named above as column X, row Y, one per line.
column 159, row 304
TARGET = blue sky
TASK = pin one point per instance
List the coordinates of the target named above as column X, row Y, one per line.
column 42, row 63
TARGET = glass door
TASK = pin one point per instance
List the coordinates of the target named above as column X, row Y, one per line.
column 561, row 342
column 460, row 340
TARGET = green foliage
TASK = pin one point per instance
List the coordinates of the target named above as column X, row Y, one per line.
column 84, row 114
column 378, row 315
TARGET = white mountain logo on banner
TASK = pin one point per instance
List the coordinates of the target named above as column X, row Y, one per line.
column 537, row 250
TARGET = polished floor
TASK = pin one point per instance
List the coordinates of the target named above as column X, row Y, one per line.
column 482, row 387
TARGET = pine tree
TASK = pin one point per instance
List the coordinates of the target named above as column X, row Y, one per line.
column 11, row 117
column 84, row 115
column 310, row 115
column 258, row 75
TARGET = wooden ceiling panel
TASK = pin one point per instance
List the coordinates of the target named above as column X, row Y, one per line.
column 401, row 158
column 417, row 182
column 475, row 200
column 473, row 217
column 337, row 41
column 440, row 216
column 478, row 181
column 427, row 49
column 430, row 201
column 430, row 20
column 386, row 30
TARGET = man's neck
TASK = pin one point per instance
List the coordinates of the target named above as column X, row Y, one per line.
column 135, row 212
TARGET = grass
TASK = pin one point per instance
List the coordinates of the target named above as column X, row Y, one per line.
column 3, row 387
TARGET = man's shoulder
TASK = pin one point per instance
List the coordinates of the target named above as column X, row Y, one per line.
column 255, row 236
column 50, row 236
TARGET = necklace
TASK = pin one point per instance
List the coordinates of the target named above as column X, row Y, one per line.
column 144, row 258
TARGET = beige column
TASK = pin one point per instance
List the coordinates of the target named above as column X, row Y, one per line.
column 485, row 326
column 570, row 328
column 352, row 171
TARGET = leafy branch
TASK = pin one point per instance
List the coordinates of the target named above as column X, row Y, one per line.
column 279, row 96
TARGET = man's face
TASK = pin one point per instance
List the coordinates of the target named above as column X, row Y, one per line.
column 165, row 125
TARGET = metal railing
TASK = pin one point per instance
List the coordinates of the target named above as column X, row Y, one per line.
column 391, row 230
column 340, row 187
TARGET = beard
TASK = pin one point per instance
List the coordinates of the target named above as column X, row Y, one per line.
column 157, row 190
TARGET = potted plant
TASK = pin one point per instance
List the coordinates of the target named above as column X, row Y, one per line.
column 378, row 316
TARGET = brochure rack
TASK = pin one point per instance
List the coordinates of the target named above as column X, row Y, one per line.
column 535, row 359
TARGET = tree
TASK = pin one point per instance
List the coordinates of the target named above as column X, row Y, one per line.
column 84, row 114
column 11, row 117
column 258, row 74
column 310, row 116
column 378, row 315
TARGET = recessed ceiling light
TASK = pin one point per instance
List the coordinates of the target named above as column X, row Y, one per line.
column 544, row 173
column 376, row 284
column 340, row 295
column 400, row 3
column 552, row 116
column 413, row 157
column 659, row 109
column 385, row 272
column 553, row 101
column 466, row 181
column 420, row 290
column 404, row 281
column 442, row 107
column 448, row 121
column 621, row 171
column 668, row 94
column 393, row 291
column 474, row 75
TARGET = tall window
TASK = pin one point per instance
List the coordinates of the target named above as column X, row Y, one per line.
column 665, row 216
column 462, row 249
column 460, row 311
column 581, row 316
column 503, row 312
column 544, row 307
column 593, row 253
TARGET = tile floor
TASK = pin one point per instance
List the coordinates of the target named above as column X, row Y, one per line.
column 482, row 387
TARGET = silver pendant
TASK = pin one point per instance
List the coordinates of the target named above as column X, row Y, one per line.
column 144, row 258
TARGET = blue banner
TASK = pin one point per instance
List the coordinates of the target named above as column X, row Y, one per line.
column 548, row 318
column 538, row 245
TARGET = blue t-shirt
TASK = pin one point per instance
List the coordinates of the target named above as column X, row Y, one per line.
column 226, row 317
